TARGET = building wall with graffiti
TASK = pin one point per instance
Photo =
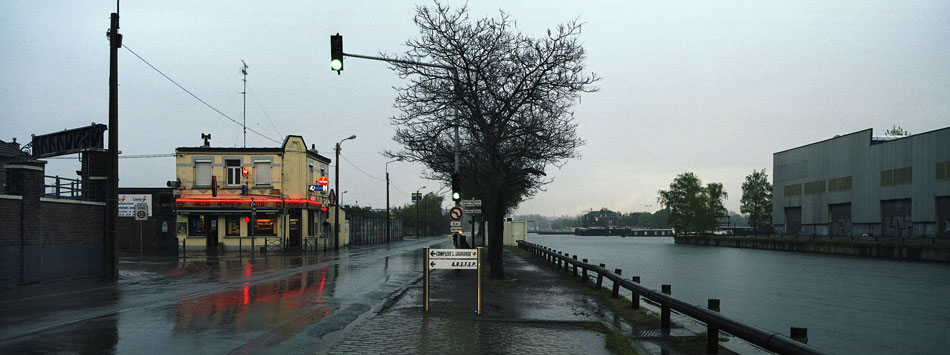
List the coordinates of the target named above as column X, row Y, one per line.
column 858, row 184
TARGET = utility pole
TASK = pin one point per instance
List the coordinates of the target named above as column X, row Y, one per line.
column 112, row 207
column 244, row 93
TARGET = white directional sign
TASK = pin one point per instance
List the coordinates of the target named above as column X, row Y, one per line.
column 453, row 258
column 453, row 254
column 472, row 211
column 452, row 264
column 455, row 229
column 455, row 223
column 471, row 203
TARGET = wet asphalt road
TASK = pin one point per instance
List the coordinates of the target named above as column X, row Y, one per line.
column 227, row 304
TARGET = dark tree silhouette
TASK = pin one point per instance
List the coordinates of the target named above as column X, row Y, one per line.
column 508, row 94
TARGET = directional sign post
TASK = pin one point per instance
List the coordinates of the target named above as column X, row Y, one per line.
column 458, row 259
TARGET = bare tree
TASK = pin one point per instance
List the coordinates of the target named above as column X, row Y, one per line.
column 508, row 94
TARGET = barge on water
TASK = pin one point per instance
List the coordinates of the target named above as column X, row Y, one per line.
column 624, row 232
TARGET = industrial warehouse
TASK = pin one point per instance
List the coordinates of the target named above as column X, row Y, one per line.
column 858, row 184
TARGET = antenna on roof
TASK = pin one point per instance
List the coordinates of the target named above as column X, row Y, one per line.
column 244, row 93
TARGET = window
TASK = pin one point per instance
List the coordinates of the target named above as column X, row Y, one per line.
column 233, row 167
column 262, row 173
column 196, row 225
column 943, row 171
column 793, row 190
column 264, row 226
column 895, row 177
column 233, row 224
column 202, row 173
column 310, row 180
column 839, row 184
column 815, row 187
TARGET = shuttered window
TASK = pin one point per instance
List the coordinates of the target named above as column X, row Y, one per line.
column 839, row 184
column 815, row 187
column 943, row 171
column 202, row 173
column 793, row 190
column 262, row 174
column 895, row 177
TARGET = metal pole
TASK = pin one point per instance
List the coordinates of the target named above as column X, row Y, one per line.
column 388, row 227
column 417, row 217
column 141, row 247
column 425, row 217
column 336, row 207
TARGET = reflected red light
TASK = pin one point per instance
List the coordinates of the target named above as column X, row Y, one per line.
column 248, row 269
column 247, row 294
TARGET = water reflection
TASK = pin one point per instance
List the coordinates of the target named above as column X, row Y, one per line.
column 293, row 302
column 849, row 304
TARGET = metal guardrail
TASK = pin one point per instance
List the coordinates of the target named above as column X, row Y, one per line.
column 709, row 315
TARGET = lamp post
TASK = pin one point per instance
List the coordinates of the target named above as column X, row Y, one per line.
column 388, row 226
column 417, row 210
column 336, row 184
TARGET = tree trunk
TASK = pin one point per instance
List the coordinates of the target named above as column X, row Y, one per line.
column 496, row 225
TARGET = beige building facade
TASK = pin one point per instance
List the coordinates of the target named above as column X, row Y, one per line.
column 230, row 198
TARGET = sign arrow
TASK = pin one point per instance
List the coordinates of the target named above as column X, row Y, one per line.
column 432, row 264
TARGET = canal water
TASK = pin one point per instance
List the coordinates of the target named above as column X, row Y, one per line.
column 850, row 305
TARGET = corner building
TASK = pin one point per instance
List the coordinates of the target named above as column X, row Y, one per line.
column 857, row 184
column 217, row 187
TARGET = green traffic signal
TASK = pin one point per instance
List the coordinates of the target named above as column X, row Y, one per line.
column 456, row 196
column 336, row 53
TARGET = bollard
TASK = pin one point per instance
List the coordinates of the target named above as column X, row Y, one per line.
column 616, row 290
column 665, row 310
column 575, row 265
column 240, row 247
column 635, row 298
column 600, row 276
column 558, row 260
column 799, row 335
column 712, row 331
column 584, row 273
column 565, row 262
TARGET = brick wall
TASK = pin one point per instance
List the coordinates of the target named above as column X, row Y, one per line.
column 47, row 239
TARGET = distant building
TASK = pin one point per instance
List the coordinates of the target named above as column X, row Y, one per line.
column 219, row 185
column 858, row 184
column 604, row 218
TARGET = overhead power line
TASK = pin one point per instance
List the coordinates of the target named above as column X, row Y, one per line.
column 196, row 96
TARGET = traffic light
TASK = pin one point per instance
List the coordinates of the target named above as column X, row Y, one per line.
column 456, row 191
column 336, row 53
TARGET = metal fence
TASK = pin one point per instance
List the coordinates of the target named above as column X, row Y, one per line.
column 60, row 187
column 709, row 315
column 367, row 230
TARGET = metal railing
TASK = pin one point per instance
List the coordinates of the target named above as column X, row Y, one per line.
column 60, row 187
column 709, row 315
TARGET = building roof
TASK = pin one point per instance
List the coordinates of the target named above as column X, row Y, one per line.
column 11, row 149
column 240, row 150
column 873, row 139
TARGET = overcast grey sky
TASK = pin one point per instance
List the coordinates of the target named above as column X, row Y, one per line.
column 709, row 87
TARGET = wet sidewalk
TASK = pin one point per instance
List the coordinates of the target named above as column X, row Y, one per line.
column 533, row 311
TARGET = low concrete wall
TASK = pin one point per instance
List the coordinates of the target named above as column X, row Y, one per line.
column 939, row 253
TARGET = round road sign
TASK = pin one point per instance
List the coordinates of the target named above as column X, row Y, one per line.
column 455, row 213
column 140, row 214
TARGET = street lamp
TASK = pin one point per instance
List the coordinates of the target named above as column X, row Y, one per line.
column 336, row 187
column 417, row 210
column 388, row 227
